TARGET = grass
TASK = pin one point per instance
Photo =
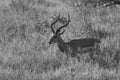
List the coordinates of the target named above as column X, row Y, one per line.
column 25, row 32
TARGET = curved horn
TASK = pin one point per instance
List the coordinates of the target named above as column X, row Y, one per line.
column 54, row 21
column 65, row 25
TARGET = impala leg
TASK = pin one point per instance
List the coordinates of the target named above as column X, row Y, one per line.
column 78, row 58
column 97, row 48
column 116, row 67
column 92, row 56
column 79, row 52
column 66, row 60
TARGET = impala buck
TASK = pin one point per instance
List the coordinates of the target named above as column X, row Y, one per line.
column 75, row 46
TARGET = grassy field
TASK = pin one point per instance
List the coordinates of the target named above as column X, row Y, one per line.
column 25, row 53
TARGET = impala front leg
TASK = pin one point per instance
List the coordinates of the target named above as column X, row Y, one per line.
column 66, row 60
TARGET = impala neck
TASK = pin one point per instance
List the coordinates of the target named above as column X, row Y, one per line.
column 62, row 45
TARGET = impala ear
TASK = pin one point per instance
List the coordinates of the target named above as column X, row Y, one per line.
column 62, row 32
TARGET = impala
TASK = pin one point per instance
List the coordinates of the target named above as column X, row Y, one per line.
column 73, row 47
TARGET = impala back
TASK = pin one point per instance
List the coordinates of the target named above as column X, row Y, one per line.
column 83, row 43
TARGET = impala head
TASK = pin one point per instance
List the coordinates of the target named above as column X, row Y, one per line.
column 58, row 32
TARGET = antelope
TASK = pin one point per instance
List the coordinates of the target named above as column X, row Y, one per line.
column 73, row 47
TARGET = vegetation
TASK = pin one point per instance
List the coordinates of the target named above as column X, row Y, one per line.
column 25, row 32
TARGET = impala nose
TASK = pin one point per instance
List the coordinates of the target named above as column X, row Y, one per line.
column 50, row 42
